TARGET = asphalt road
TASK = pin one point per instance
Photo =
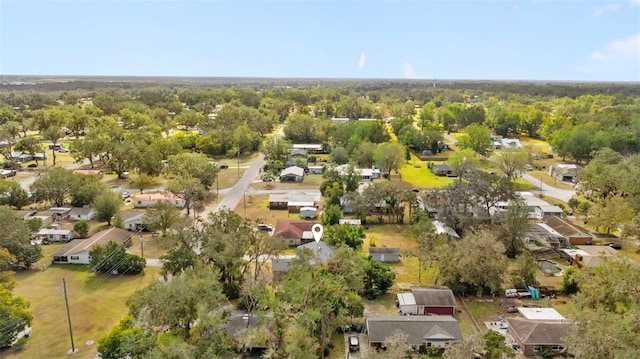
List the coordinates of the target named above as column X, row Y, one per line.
column 540, row 187
column 236, row 193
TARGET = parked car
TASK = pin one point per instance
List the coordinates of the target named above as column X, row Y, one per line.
column 354, row 343
column 63, row 150
column 358, row 328
column 32, row 165
column 528, row 167
column 7, row 173
column 615, row 245
column 125, row 195
column 265, row 227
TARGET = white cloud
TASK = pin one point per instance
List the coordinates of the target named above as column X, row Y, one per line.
column 363, row 57
column 606, row 9
column 407, row 70
column 627, row 48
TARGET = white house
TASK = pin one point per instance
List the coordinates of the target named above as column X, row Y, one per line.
column 21, row 156
column 315, row 170
column 133, row 220
column 340, row 120
column 77, row 251
column 143, row 200
column 82, row 213
column 56, row 235
column 538, row 208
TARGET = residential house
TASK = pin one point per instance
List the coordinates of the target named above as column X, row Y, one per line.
column 590, row 256
column 366, row 174
column 55, row 235
column 96, row 173
column 292, row 174
column 40, row 156
column 575, row 235
column 538, row 208
column 77, row 251
column 47, row 217
column 82, row 213
column 422, row 331
column 133, row 220
column 279, row 268
column 298, row 152
column 321, row 253
column 238, row 322
column 564, row 172
column 294, row 232
column 60, row 213
column 428, row 300
column 315, row 170
column 534, row 336
column 308, row 212
column 143, row 200
column 340, row 120
column 442, row 170
column 385, row 254
column 21, row 157
column 310, row 148
column 293, row 200
column 353, row 222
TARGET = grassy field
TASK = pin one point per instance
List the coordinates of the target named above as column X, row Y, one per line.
column 417, row 174
column 96, row 304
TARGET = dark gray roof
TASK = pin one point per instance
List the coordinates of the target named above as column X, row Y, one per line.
column 321, row 250
column 533, row 332
column 280, row 264
column 385, row 250
column 433, row 296
column 418, row 328
column 80, row 211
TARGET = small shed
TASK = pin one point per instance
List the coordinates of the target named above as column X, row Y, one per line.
column 385, row 254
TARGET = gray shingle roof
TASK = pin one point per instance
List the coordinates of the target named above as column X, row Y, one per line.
column 418, row 328
column 434, row 296
column 533, row 332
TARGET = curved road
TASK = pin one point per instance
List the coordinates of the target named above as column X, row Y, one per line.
column 540, row 187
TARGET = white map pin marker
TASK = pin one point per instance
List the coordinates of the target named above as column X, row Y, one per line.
column 317, row 230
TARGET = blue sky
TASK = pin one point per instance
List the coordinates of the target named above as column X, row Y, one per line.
column 491, row 39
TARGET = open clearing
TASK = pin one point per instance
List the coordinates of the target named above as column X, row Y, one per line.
column 96, row 304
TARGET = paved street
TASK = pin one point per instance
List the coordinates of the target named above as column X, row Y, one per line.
column 540, row 187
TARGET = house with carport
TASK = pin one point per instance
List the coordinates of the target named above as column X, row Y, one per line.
column 428, row 300
column 77, row 251
column 422, row 331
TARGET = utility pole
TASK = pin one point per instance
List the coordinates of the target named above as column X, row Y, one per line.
column 142, row 250
column 141, row 245
column 66, row 302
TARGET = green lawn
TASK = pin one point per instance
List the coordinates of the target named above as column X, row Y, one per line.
column 419, row 176
column 96, row 304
